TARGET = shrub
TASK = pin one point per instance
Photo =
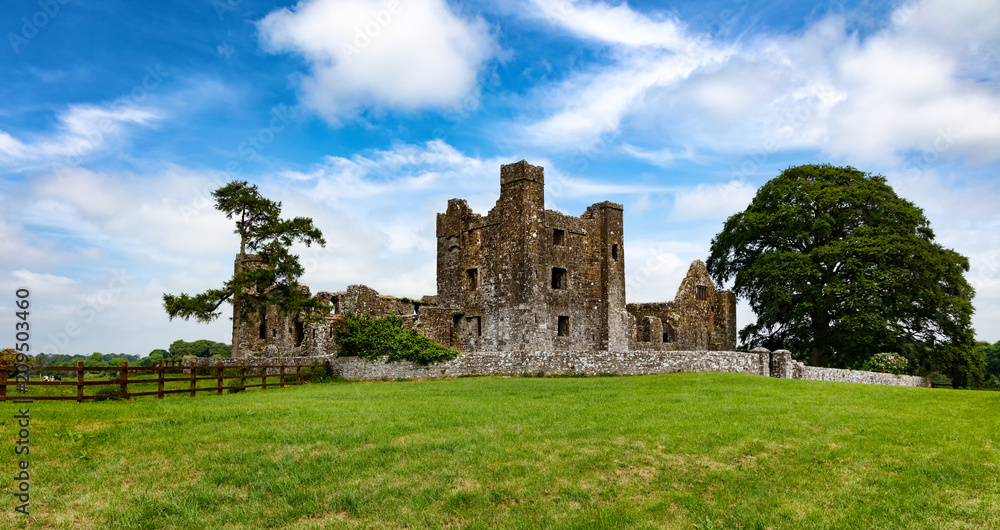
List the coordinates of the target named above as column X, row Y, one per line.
column 385, row 337
column 886, row 362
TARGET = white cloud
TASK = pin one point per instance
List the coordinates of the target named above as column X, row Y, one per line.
column 81, row 131
column 926, row 81
column 612, row 24
column 712, row 201
column 380, row 54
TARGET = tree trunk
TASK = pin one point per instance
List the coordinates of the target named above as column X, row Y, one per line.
column 821, row 329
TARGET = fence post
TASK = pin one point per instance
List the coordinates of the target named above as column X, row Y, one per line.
column 220, row 378
column 79, row 381
column 194, row 382
column 123, row 376
column 3, row 385
column 281, row 376
column 263, row 376
column 243, row 374
column 159, row 383
column 298, row 373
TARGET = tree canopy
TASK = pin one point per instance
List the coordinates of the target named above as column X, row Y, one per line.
column 837, row 267
column 991, row 353
column 8, row 357
column 198, row 348
column 270, row 278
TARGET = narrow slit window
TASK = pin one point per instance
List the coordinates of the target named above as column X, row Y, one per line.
column 701, row 292
column 558, row 237
column 563, row 326
column 614, row 252
column 558, row 278
column 472, row 279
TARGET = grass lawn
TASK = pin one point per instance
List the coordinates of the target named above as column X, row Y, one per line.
column 676, row 451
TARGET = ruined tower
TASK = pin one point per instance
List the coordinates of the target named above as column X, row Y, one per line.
column 527, row 278
column 523, row 278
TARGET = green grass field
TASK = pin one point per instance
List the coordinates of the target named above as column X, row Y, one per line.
column 673, row 451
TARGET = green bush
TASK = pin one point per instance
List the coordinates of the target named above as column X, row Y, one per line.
column 385, row 337
column 886, row 362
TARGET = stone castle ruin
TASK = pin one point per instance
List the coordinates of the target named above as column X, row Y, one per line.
column 523, row 278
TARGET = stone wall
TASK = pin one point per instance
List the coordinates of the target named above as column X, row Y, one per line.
column 524, row 278
column 631, row 362
column 813, row 373
column 698, row 318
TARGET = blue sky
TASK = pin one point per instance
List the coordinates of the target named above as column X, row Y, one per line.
column 117, row 119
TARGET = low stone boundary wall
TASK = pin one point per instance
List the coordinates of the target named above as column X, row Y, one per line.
column 636, row 362
column 588, row 363
column 813, row 373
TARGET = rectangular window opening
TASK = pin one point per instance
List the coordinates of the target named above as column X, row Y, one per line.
column 300, row 334
column 563, row 326
column 475, row 325
column 472, row 277
column 558, row 237
column 701, row 292
column 558, row 278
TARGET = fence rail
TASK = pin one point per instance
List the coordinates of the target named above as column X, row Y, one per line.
column 222, row 375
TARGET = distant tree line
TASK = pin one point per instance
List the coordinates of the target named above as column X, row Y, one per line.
column 178, row 350
column 991, row 352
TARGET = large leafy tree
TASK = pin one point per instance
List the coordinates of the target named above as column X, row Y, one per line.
column 837, row 267
column 991, row 352
column 266, row 272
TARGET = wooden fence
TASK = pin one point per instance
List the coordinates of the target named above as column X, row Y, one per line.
column 162, row 371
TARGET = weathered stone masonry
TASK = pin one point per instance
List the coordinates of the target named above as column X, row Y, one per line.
column 523, row 278
column 760, row 362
